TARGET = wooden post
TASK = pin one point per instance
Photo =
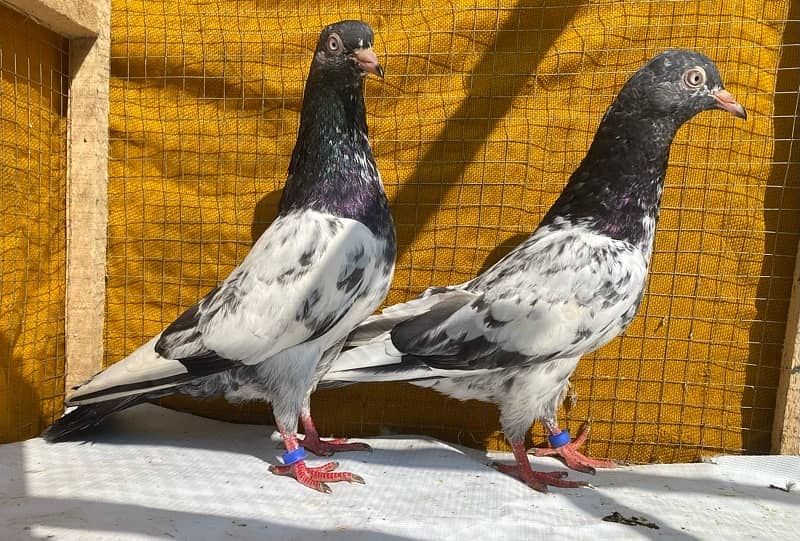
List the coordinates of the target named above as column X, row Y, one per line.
column 87, row 200
column 786, row 427
column 87, row 23
column 69, row 18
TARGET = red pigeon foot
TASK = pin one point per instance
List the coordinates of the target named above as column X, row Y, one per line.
column 294, row 465
column 568, row 451
column 316, row 478
column 320, row 447
column 535, row 479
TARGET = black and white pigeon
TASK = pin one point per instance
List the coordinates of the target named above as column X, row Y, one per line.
column 271, row 328
column 514, row 334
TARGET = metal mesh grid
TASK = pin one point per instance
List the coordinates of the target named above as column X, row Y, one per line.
column 486, row 109
column 33, row 130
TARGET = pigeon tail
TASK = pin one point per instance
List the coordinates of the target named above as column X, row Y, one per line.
column 84, row 417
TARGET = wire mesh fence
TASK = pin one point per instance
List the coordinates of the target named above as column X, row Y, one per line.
column 486, row 109
column 33, row 130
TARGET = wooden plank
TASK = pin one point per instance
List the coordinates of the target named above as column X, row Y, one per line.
column 87, row 200
column 786, row 427
column 69, row 18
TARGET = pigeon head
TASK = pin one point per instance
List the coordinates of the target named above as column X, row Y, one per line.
column 346, row 48
column 678, row 84
column 618, row 186
column 332, row 169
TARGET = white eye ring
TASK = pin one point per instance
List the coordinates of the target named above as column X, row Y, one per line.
column 694, row 77
column 334, row 43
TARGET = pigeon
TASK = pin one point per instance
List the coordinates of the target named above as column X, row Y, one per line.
column 271, row 328
column 514, row 334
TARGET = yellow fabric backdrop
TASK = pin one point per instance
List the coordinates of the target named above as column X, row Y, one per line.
column 485, row 110
column 33, row 150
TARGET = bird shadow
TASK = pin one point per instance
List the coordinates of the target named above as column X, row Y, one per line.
column 493, row 88
column 152, row 426
column 145, row 427
column 501, row 250
column 153, row 522
column 264, row 213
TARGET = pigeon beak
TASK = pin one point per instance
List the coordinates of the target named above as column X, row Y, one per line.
column 367, row 60
column 727, row 102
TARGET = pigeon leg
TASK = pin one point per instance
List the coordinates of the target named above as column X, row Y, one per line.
column 321, row 447
column 316, row 478
column 535, row 479
column 568, row 451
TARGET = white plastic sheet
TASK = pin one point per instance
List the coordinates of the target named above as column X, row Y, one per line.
column 152, row 473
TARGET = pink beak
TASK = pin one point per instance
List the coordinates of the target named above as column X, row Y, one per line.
column 367, row 60
column 727, row 102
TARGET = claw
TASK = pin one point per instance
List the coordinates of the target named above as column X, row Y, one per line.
column 538, row 480
column 316, row 478
column 535, row 479
column 357, row 479
column 574, row 459
column 320, row 447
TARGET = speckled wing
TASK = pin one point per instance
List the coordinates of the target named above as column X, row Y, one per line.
column 298, row 281
column 369, row 354
column 562, row 293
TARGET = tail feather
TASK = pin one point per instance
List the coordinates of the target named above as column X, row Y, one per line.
column 373, row 327
column 417, row 375
column 84, row 417
column 143, row 371
column 375, row 361
column 379, row 360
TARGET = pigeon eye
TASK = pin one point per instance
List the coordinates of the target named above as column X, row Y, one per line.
column 335, row 43
column 694, row 77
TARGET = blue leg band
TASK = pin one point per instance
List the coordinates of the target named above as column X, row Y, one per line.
column 557, row 440
column 290, row 457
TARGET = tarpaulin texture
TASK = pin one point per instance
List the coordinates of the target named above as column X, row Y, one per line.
column 485, row 110
column 154, row 474
column 33, row 149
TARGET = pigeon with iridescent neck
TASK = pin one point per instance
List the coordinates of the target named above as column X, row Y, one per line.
column 514, row 334
column 270, row 329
